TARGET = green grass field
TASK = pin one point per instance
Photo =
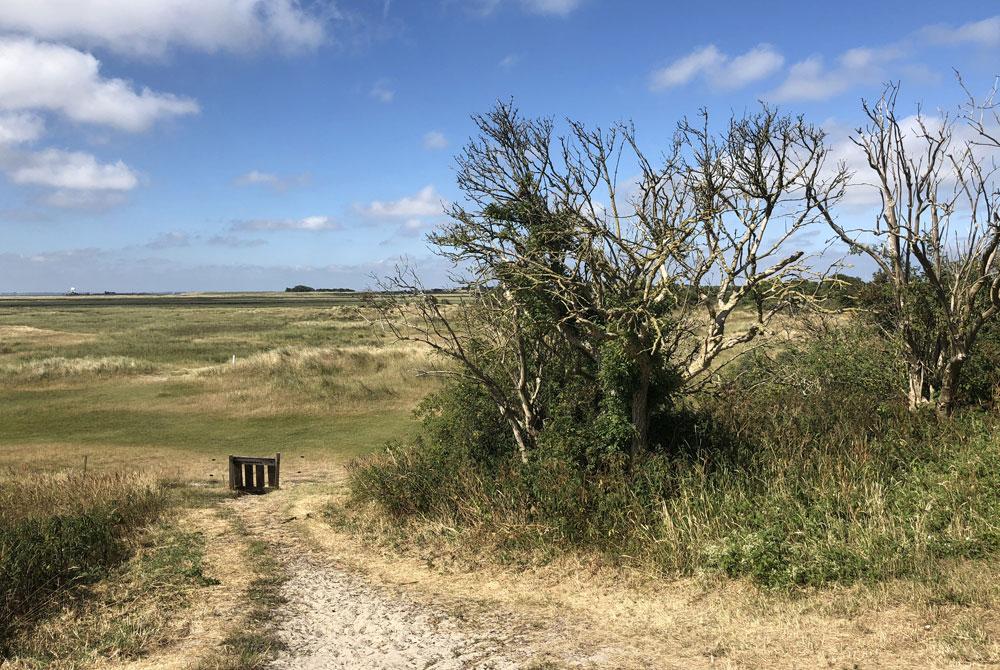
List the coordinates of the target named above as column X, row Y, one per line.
column 149, row 384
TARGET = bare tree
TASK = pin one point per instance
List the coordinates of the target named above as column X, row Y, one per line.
column 935, row 238
column 486, row 339
column 653, row 264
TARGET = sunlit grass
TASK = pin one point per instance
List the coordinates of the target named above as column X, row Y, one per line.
column 156, row 388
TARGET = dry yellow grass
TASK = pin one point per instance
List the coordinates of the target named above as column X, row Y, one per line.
column 14, row 335
column 637, row 620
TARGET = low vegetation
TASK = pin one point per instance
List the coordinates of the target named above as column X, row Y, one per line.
column 839, row 485
column 118, row 417
column 58, row 531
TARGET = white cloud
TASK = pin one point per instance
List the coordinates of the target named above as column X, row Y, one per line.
column 426, row 202
column 309, row 223
column 77, row 199
column 541, row 7
column 37, row 75
column 271, row 180
column 759, row 62
column 553, row 7
column 684, row 69
column 381, row 91
column 19, row 128
column 721, row 70
column 169, row 240
column 811, row 79
column 509, row 61
column 983, row 33
column 435, row 140
column 72, row 170
column 150, row 27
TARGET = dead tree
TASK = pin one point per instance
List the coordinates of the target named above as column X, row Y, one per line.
column 935, row 238
column 655, row 263
column 486, row 339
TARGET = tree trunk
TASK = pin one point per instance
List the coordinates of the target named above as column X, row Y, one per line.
column 949, row 386
column 520, row 437
column 915, row 392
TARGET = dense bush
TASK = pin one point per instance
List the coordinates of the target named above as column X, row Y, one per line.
column 806, row 470
column 55, row 531
column 981, row 375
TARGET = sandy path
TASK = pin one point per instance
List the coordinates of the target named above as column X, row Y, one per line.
column 335, row 619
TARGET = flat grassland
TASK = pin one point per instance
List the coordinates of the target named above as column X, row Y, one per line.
column 149, row 383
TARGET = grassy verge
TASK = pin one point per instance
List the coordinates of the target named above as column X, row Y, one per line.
column 59, row 531
column 781, row 517
column 126, row 615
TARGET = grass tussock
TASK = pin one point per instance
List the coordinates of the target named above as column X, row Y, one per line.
column 57, row 531
column 351, row 378
column 125, row 615
column 55, row 368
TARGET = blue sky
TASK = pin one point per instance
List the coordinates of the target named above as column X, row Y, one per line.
column 154, row 145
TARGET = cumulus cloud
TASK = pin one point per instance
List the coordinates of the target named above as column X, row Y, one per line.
column 150, row 27
column 983, row 33
column 812, row 79
column 20, row 128
column 72, row 170
column 309, row 223
column 426, row 202
column 435, row 140
column 719, row 69
column 271, row 180
column 41, row 76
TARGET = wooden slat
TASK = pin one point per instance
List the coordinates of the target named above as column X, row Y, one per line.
column 258, row 480
column 235, row 474
column 254, row 459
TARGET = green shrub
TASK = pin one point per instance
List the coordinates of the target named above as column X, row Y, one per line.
column 980, row 383
column 807, row 471
column 55, row 531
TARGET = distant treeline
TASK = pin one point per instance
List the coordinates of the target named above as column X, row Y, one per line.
column 302, row 288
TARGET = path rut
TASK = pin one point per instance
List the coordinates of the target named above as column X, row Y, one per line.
column 334, row 619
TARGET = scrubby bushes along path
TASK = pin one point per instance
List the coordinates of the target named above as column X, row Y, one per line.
column 809, row 470
column 58, row 530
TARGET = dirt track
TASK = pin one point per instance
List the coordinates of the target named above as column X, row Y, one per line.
column 333, row 618
column 351, row 605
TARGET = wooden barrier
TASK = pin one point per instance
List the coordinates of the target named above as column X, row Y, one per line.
column 247, row 473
